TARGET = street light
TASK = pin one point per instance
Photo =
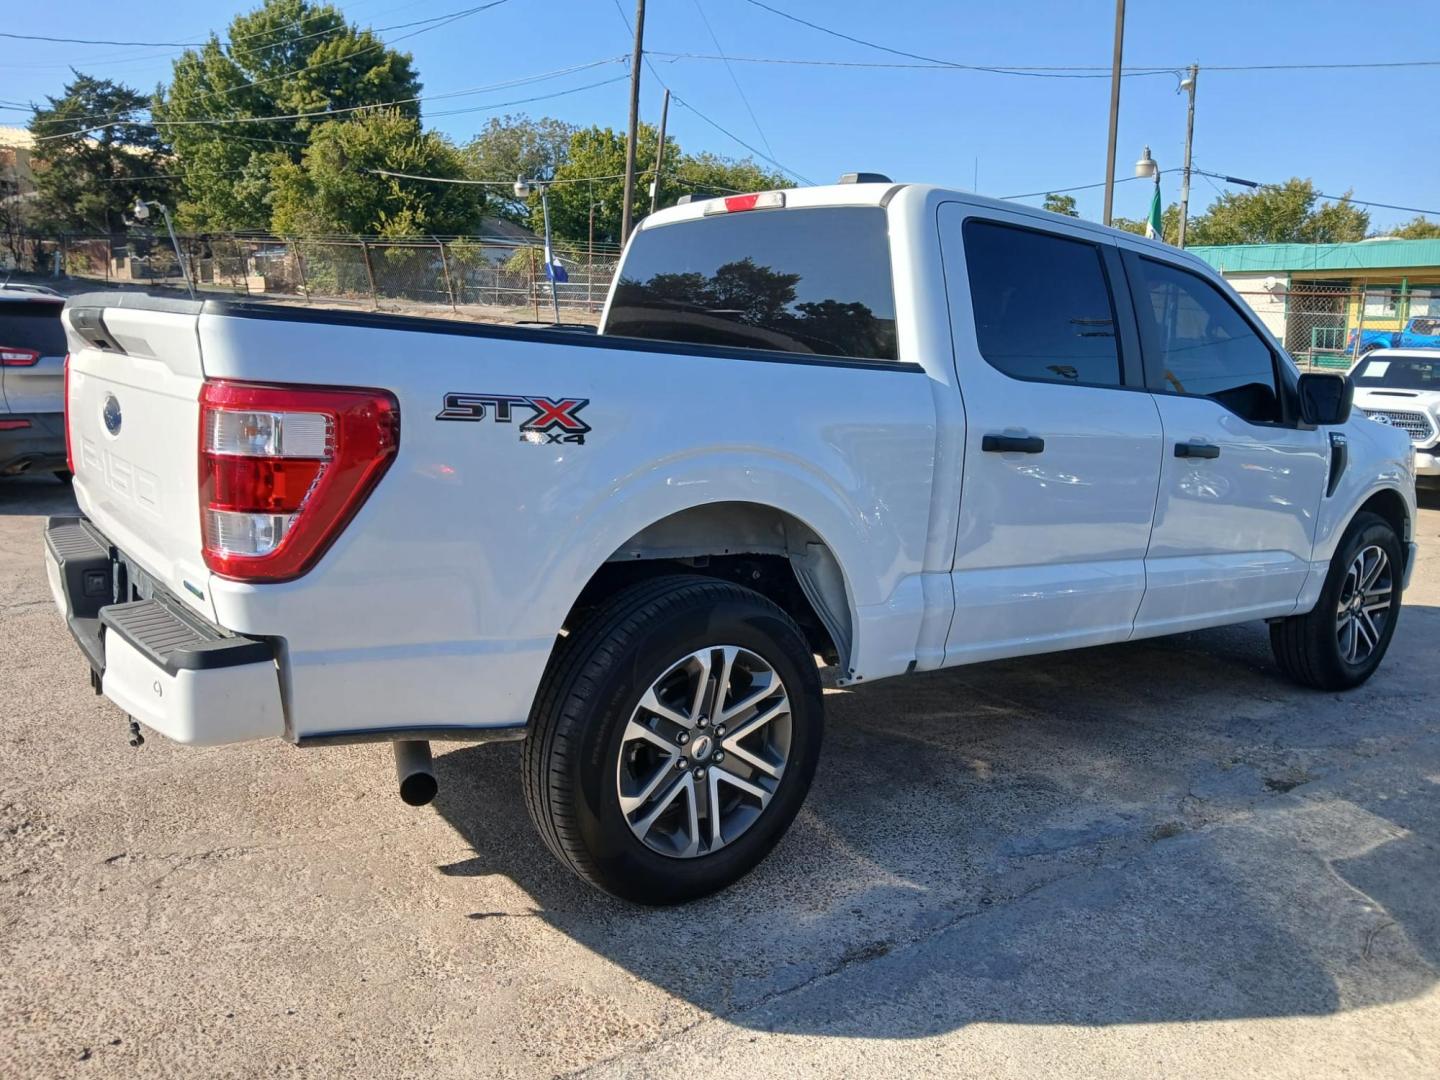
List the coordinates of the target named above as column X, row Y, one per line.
column 1154, row 221
column 1146, row 167
column 141, row 211
column 523, row 188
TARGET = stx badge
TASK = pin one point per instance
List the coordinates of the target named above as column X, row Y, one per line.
column 552, row 421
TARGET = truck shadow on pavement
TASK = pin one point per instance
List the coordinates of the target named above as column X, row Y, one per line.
column 1163, row 831
column 43, row 495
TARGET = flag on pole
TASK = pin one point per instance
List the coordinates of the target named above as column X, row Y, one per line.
column 1154, row 224
column 554, row 269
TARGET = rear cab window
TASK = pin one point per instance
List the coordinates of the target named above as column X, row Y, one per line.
column 33, row 325
column 811, row 280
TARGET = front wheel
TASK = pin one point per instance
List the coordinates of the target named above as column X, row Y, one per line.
column 674, row 738
column 1340, row 643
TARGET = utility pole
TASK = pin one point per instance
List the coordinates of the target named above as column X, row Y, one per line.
column 659, row 153
column 633, row 131
column 1114, row 109
column 1188, row 85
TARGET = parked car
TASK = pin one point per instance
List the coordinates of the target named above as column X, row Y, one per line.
column 1421, row 332
column 1401, row 388
column 894, row 427
column 32, row 360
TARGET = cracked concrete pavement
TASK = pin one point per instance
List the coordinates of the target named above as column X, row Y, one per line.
column 1141, row 860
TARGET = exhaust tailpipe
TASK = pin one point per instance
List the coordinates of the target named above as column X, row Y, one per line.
column 414, row 771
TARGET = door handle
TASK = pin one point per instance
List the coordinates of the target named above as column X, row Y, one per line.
column 1012, row 444
column 1196, row 450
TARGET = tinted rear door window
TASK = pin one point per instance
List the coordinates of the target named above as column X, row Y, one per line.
column 32, row 324
column 800, row 281
column 1042, row 302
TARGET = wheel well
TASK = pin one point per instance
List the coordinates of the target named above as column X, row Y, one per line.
column 758, row 546
column 1390, row 505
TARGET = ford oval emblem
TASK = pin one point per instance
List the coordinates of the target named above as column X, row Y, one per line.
column 111, row 414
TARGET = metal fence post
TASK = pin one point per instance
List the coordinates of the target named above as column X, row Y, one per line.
column 445, row 266
column 294, row 247
column 534, row 295
column 243, row 257
column 370, row 274
column 1359, row 323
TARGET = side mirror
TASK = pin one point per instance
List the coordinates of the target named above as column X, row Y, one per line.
column 1325, row 399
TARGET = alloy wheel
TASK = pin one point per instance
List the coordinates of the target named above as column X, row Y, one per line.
column 1366, row 598
column 704, row 751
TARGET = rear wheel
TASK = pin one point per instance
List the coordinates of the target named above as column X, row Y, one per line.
column 673, row 739
column 1341, row 642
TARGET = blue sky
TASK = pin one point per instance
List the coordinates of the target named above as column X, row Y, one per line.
column 1370, row 130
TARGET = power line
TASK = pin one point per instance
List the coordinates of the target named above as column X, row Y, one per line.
column 245, row 37
column 738, row 88
column 330, row 113
column 685, row 104
column 487, row 183
column 438, row 22
column 1066, row 190
column 1053, row 73
column 1028, row 69
column 725, row 131
column 1322, row 195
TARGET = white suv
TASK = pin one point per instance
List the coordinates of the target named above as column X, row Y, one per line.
column 32, row 403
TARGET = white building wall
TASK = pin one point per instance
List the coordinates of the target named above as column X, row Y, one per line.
column 1265, row 293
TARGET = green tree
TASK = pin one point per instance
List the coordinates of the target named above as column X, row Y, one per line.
column 710, row 174
column 1419, row 228
column 1061, row 204
column 88, row 177
column 1291, row 212
column 511, row 146
column 600, row 152
column 286, row 57
column 335, row 189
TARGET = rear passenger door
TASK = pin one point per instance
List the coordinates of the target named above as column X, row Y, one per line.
column 1242, row 480
column 1062, row 443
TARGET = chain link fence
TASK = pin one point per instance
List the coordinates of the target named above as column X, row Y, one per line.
column 1329, row 325
column 484, row 278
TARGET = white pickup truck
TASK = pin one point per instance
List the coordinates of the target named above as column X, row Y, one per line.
column 892, row 427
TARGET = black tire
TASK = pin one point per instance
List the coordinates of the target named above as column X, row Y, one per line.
column 591, row 688
column 65, row 476
column 1307, row 647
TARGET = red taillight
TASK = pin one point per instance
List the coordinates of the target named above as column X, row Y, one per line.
column 284, row 469
column 8, row 424
column 69, row 454
column 731, row 204
column 12, row 357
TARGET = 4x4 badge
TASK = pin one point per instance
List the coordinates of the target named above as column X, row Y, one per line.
column 553, row 420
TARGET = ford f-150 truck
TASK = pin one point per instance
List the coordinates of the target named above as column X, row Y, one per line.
column 889, row 428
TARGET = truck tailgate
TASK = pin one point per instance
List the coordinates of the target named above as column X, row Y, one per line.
column 134, row 384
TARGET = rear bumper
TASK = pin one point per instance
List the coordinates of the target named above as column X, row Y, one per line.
column 177, row 674
column 39, row 446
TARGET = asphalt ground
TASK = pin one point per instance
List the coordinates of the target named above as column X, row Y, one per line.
column 1156, row 859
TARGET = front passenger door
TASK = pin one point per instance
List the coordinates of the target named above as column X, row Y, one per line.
column 1241, row 481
